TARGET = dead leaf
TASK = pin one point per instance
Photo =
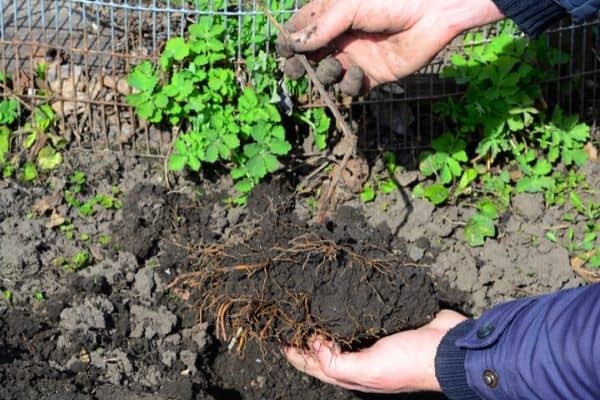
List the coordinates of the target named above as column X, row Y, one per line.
column 591, row 151
column 97, row 253
column 117, row 83
column 55, row 220
column 578, row 265
column 46, row 203
column 355, row 174
column 515, row 174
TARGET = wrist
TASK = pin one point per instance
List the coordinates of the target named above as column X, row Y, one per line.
column 461, row 15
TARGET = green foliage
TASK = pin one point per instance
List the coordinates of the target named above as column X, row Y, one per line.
column 227, row 111
column 368, row 194
column 82, row 259
column 87, row 204
column 482, row 224
column 386, row 182
column 38, row 295
column 502, row 140
column 40, row 128
column 8, row 295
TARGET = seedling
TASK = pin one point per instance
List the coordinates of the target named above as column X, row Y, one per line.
column 80, row 260
column 38, row 295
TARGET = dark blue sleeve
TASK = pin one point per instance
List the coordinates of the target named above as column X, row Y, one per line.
column 535, row 16
column 545, row 347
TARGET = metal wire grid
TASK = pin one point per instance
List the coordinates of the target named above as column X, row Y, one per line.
column 99, row 41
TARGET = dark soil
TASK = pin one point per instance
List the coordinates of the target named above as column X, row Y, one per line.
column 115, row 330
column 279, row 279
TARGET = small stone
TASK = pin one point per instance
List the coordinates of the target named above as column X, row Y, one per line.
column 197, row 335
column 167, row 357
column 406, row 178
column 144, row 283
column 416, row 253
column 189, row 358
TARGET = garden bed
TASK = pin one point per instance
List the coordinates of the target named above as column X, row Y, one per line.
column 127, row 322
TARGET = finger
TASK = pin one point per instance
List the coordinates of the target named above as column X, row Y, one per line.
column 446, row 319
column 329, row 71
column 324, row 27
column 353, row 81
column 297, row 22
column 293, row 68
column 309, row 365
column 348, row 368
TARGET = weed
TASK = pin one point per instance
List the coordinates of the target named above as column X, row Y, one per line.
column 38, row 295
column 502, row 140
column 82, row 259
column 226, row 110
column 8, row 295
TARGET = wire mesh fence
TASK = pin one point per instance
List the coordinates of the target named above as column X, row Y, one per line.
column 89, row 46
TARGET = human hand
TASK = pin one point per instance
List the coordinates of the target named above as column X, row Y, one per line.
column 400, row 363
column 387, row 39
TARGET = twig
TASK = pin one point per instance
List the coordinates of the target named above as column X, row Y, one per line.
column 342, row 124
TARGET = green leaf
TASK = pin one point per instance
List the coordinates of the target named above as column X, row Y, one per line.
column 244, row 186
column 468, row 176
column 177, row 162
column 9, row 111
column 271, row 162
column 212, row 153
column 29, row 172
column 488, row 209
column 194, row 162
column 478, row 229
column 143, row 77
column 49, row 158
column 388, row 186
column 256, row 166
column 280, row 147
column 436, row 193
column 577, row 202
column 177, row 49
column 551, row 236
column 580, row 132
column 542, row 167
column 368, row 194
column 4, row 143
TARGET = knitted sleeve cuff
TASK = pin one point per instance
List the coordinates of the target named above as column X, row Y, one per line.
column 532, row 16
column 450, row 364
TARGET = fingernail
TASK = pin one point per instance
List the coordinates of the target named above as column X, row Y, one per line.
column 316, row 346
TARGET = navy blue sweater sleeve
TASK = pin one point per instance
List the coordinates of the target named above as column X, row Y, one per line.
column 534, row 16
column 542, row 347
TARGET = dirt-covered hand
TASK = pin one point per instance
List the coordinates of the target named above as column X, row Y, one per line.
column 386, row 39
column 399, row 363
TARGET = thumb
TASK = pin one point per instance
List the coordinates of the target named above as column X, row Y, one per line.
column 344, row 367
column 326, row 27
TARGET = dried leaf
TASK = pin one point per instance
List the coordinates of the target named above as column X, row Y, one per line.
column 55, row 220
column 591, row 151
column 46, row 203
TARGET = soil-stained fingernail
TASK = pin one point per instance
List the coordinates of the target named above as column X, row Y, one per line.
column 329, row 70
column 293, row 68
column 352, row 83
